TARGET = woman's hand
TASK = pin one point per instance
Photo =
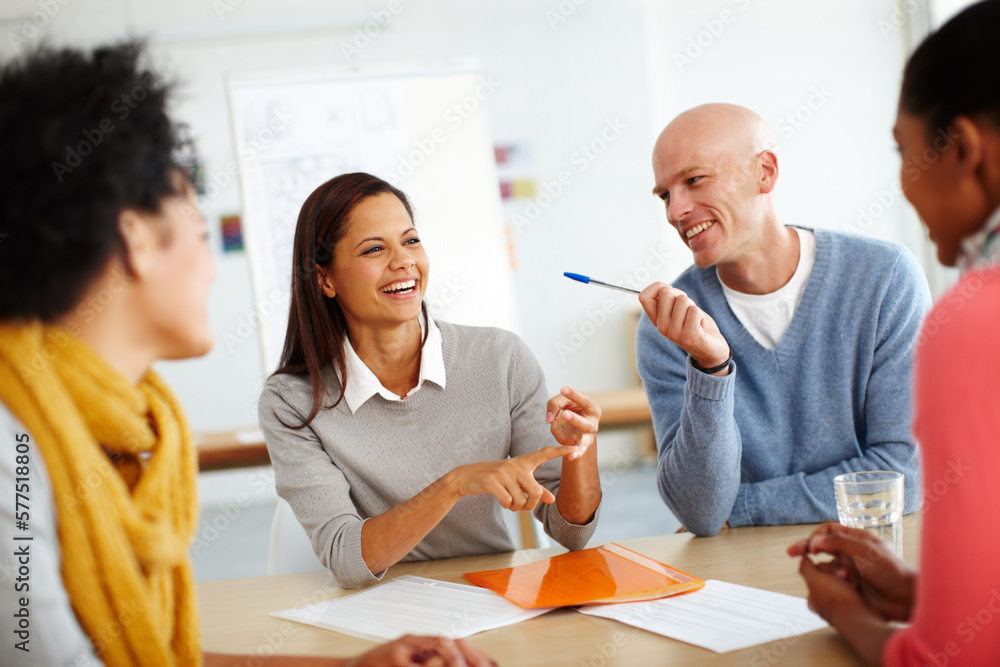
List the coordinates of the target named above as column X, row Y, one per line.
column 511, row 481
column 865, row 564
column 409, row 651
column 840, row 604
column 574, row 419
column 830, row 595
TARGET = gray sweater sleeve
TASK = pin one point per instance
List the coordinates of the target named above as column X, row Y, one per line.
column 314, row 487
column 54, row 637
column 698, row 471
column 529, row 433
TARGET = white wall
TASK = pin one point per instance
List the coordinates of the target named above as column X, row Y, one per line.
column 606, row 76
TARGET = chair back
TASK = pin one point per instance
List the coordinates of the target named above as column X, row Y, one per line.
column 290, row 550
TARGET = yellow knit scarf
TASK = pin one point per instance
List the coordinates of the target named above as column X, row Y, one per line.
column 123, row 473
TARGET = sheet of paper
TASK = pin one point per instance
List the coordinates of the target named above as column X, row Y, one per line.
column 412, row 605
column 721, row 617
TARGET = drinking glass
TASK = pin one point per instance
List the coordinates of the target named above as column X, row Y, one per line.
column 874, row 501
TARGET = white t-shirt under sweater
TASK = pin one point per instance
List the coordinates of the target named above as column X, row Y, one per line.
column 767, row 316
column 347, row 466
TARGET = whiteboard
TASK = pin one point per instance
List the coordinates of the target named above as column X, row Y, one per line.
column 424, row 129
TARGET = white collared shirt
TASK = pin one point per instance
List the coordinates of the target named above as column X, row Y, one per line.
column 362, row 383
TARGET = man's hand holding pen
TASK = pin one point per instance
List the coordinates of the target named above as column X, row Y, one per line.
column 678, row 318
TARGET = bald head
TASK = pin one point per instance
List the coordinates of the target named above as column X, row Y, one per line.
column 727, row 129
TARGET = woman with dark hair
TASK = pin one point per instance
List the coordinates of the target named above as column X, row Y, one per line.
column 398, row 437
column 948, row 132
column 104, row 268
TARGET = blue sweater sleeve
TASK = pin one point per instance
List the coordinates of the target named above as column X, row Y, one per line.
column 808, row 496
column 698, row 473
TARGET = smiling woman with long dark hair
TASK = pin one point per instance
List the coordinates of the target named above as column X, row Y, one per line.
column 398, row 437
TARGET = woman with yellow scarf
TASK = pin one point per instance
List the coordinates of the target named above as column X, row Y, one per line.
column 104, row 268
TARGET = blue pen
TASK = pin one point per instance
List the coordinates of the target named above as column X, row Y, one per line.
column 588, row 280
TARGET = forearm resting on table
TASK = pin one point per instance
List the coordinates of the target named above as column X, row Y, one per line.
column 579, row 488
column 388, row 537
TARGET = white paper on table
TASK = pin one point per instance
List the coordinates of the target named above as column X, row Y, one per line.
column 413, row 605
column 721, row 617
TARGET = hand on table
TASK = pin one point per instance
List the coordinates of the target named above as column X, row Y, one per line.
column 574, row 419
column 425, row 651
column 511, row 481
column 862, row 563
column 678, row 318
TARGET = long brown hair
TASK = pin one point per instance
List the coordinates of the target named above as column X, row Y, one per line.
column 316, row 325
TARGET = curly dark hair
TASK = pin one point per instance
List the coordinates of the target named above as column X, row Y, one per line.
column 85, row 135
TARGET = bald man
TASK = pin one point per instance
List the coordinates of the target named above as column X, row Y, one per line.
column 781, row 359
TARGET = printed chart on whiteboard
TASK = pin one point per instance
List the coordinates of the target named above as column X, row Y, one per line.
column 413, row 128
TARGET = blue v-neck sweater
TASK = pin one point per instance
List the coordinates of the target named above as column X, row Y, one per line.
column 762, row 445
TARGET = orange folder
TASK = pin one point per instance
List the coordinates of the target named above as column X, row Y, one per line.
column 602, row 575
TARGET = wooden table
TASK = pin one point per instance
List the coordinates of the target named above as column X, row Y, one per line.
column 235, row 612
column 625, row 408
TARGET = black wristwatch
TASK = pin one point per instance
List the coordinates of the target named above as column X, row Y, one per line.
column 714, row 369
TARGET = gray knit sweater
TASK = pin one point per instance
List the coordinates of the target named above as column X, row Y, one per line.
column 344, row 468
